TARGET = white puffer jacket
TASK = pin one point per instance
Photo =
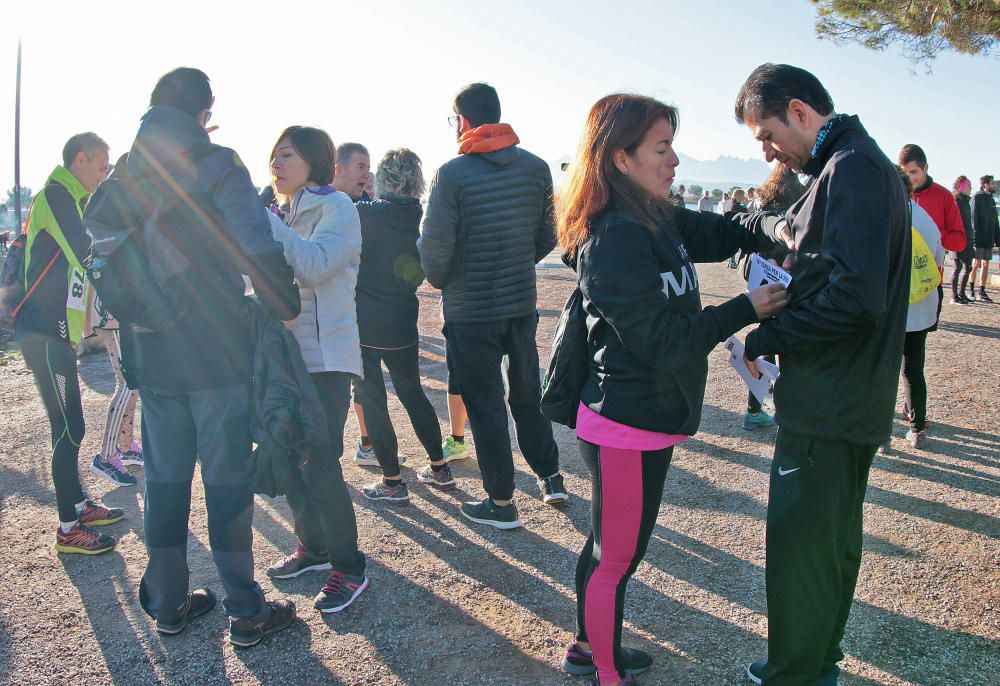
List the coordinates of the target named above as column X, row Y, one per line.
column 322, row 242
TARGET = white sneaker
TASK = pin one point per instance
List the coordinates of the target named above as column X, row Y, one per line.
column 366, row 457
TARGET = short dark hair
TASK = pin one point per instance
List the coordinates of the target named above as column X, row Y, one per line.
column 184, row 88
column 912, row 152
column 983, row 180
column 907, row 184
column 88, row 143
column 315, row 147
column 479, row 103
column 770, row 87
column 345, row 150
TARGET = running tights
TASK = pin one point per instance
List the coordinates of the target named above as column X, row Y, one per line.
column 53, row 364
column 627, row 486
column 118, row 429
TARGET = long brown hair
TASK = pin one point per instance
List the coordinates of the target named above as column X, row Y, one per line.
column 781, row 190
column 616, row 122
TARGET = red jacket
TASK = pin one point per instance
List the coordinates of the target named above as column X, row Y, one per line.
column 937, row 201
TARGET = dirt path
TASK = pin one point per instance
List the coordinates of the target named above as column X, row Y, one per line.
column 452, row 604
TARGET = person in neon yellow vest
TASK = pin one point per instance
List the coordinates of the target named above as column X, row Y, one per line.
column 50, row 324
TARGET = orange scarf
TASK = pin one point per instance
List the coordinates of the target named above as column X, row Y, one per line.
column 487, row 138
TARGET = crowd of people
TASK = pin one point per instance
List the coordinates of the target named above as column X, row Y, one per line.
column 337, row 253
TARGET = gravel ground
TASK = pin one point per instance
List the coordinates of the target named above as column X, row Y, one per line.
column 457, row 604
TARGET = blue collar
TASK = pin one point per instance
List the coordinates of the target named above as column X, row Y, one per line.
column 824, row 132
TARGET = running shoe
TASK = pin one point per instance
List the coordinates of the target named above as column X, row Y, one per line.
column 380, row 490
column 885, row 448
column 984, row 297
column 915, row 438
column 113, row 470
column 761, row 420
column 489, row 513
column 755, row 672
column 133, row 455
column 95, row 514
column 454, row 450
column 301, row 560
column 197, row 603
column 365, row 456
column 84, row 540
column 245, row 632
column 958, row 300
column 441, row 478
column 553, row 490
column 340, row 591
column 579, row 662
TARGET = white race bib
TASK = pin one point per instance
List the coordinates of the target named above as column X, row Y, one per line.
column 77, row 298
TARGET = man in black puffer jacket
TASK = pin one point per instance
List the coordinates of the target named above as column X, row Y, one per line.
column 840, row 343
column 488, row 222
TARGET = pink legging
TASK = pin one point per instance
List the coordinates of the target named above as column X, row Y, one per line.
column 627, row 486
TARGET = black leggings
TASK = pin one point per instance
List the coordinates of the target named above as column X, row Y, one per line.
column 404, row 368
column 961, row 261
column 53, row 363
column 914, row 384
column 626, row 488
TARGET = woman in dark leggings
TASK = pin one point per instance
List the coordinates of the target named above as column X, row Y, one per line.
column 648, row 344
column 962, row 190
column 387, row 319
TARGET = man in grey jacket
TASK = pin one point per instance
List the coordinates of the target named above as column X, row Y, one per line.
column 488, row 222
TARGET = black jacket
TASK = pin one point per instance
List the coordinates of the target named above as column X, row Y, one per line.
column 964, row 203
column 288, row 423
column 488, row 222
column 984, row 220
column 389, row 273
column 841, row 337
column 217, row 214
column 646, row 328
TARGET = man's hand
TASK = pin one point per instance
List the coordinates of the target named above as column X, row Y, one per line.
column 752, row 366
column 785, row 233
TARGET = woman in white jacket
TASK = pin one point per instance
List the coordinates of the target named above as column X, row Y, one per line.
column 321, row 234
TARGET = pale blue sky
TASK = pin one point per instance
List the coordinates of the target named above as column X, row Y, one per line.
column 384, row 73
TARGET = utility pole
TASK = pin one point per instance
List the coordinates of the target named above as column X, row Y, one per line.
column 17, row 140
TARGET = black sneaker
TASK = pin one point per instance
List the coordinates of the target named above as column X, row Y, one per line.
column 380, row 490
column 755, row 672
column 553, row 490
column 441, row 479
column 581, row 663
column 302, row 560
column 198, row 602
column 340, row 591
column 488, row 512
column 984, row 297
column 245, row 632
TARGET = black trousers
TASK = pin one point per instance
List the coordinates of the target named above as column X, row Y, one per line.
column 814, row 534
column 914, row 384
column 476, row 350
column 53, row 364
column 324, row 516
column 961, row 263
column 404, row 369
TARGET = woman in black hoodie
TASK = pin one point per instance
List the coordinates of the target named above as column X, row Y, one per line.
column 387, row 320
column 962, row 190
column 649, row 339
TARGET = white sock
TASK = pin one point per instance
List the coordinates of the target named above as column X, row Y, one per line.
column 80, row 507
column 66, row 526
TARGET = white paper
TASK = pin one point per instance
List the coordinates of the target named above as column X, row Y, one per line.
column 769, row 372
column 762, row 272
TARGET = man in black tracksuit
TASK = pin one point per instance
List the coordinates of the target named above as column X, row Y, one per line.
column 840, row 343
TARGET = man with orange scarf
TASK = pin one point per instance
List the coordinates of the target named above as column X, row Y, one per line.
column 488, row 222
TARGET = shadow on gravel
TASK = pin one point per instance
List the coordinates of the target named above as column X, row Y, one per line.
column 95, row 373
column 970, row 329
column 286, row 658
column 967, row 444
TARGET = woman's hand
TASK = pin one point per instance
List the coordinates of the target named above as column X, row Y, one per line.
column 769, row 299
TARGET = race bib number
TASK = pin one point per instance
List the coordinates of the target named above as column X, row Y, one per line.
column 76, row 299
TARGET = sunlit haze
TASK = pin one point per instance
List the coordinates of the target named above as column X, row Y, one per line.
column 384, row 74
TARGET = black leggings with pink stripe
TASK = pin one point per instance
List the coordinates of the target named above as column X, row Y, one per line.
column 627, row 486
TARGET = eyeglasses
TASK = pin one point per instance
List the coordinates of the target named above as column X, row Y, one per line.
column 454, row 119
column 208, row 116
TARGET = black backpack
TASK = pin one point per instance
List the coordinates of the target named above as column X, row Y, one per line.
column 12, row 292
column 569, row 364
column 141, row 274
